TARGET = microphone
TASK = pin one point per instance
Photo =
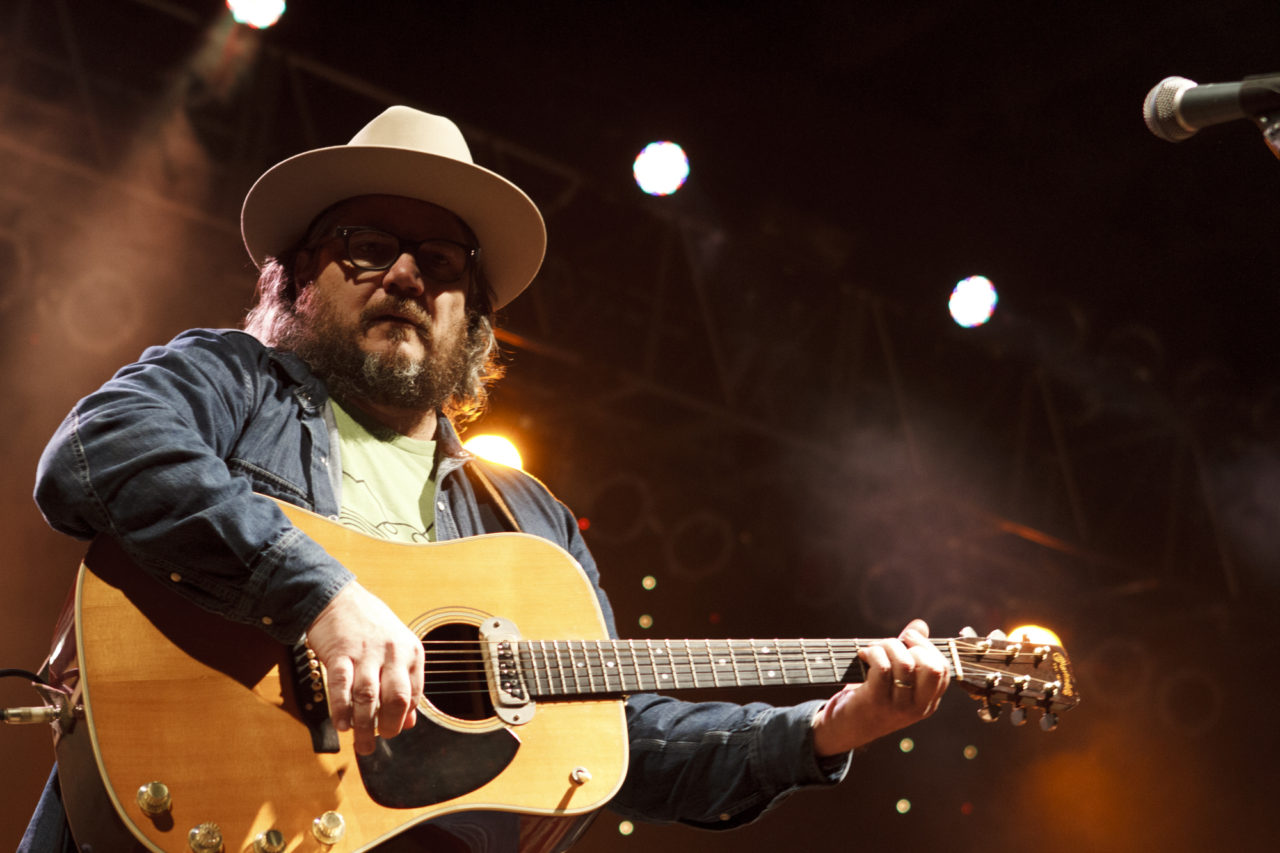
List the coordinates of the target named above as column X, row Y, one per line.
column 1177, row 107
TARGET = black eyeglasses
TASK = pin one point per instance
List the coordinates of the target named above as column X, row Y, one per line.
column 442, row 261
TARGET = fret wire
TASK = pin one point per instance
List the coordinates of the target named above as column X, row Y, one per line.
column 653, row 663
column 693, row 669
column 537, row 668
column 564, row 682
column 733, row 661
column 546, row 668
column 573, row 667
column 671, row 661
column 604, row 670
column 617, row 659
column 591, row 654
column 642, row 654
column 558, row 663
column 635, row 665
column 808, row 669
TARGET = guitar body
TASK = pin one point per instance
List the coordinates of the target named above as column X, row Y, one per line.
column 174, row 694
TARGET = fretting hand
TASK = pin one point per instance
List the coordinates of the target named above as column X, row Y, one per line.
column 906, row 678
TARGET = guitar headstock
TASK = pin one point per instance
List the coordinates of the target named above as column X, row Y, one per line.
column 998, row 671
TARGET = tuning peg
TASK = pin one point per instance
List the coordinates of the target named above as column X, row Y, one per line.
column 1049, row 721
column 968, row 633
column 989, row 712
column 1018, row 716
column 997, row 634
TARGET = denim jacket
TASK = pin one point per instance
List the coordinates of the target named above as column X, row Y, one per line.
column 166, row 458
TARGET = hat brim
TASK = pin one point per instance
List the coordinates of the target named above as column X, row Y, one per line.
column 284, row 201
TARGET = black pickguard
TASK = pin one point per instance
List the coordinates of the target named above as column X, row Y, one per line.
column 431, row 764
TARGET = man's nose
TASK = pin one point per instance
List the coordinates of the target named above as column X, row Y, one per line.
column 404, row 277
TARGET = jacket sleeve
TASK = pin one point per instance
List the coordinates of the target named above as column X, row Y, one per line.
column 718, row 765
column 143, row 460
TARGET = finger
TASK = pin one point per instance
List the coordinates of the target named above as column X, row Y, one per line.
column 338, row 680
column 917, row 626
column 933, row 675
column 416, row 682
column 903, row 673
column 393, row 701
column 364, row 710
column 879, row 669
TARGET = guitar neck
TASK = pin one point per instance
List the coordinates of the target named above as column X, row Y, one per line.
column 612, row 667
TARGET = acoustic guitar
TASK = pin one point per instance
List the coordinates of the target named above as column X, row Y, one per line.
column 200, row 734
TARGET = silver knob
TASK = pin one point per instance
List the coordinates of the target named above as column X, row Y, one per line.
column 153, row 798
column 271, row 841
column 205, row 838
column 328, row 828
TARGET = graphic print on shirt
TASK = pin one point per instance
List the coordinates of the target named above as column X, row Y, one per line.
column 388, row 482
column 385, row 526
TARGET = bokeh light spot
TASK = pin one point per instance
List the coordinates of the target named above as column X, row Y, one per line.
column 973, row 301
column 661, row 168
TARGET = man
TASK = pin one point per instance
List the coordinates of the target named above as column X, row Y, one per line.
column 382, row 262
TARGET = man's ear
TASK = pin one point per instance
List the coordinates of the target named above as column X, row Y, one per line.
column 302, row 272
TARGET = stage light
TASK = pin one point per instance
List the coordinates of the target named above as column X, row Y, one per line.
column 1034, row 634
column 903, row 806
column 649, row 582
column 626, row 827
column 661, row 168
column 973, row 301
column 646, row 621
column 495, row 448
column 906, row 744
column 258, row 14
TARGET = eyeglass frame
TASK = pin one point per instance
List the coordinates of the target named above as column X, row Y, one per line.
column 403, row 246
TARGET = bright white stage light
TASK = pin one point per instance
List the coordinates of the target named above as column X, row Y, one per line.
column 661, row 168
column 495, row 448
column 973, row 301
column 259, row 14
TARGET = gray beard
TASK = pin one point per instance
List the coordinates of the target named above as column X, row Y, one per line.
column 386, row 379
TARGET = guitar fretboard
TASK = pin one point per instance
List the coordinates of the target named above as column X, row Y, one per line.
column 578, row 668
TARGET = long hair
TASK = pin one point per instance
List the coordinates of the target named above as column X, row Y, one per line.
column 275, row 309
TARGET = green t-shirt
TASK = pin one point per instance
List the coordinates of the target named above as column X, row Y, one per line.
column 388, row 484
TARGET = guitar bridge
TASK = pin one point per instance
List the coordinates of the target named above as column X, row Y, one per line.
column 511, row 702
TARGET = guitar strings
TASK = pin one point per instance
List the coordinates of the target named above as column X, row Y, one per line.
column 747, row 663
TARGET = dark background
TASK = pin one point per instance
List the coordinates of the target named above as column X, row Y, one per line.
column 752, row 389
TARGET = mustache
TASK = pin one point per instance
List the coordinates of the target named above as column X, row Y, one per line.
column 405, row 309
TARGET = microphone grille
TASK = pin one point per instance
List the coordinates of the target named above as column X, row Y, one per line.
column 1160, row 109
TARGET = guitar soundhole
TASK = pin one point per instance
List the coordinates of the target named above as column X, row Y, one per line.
column 454, row 679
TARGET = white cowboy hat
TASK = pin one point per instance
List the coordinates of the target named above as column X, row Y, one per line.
column 409, row 153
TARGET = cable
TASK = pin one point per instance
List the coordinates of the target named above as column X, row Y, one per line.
column 22, row 673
